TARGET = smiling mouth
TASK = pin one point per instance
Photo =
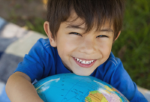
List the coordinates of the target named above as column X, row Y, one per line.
column 84, row 62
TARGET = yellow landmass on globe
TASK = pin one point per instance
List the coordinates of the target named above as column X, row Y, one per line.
column 95, row 96
column 108, row 88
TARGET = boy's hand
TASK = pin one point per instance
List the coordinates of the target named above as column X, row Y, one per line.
column 20, row 89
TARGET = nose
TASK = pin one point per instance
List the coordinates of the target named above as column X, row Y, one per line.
column 87, row 46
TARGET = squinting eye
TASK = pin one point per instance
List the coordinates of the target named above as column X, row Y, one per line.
column 102, row 36
column 75, row 33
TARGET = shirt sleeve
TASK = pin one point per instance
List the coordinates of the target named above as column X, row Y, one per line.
column 120, row 79
column 33, row 62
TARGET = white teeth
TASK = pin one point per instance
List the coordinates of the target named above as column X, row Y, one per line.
column 91, row 61
column 84, row 62
column 87, row 62
column 80, row 60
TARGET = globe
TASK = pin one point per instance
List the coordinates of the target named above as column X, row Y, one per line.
column 75, row 88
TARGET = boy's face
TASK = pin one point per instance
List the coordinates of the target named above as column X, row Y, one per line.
column 82, row 53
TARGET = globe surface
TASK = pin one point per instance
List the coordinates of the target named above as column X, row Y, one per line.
column 74, row 88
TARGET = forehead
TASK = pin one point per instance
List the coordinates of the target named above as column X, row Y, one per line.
column 75, row 20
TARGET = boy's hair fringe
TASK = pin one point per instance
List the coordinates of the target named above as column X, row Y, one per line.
column 91, row 11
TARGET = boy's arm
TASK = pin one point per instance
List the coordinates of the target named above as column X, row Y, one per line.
column 20, row 89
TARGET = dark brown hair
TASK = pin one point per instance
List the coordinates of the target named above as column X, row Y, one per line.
column 89, row 10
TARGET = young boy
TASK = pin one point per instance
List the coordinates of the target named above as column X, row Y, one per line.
column 81, row 34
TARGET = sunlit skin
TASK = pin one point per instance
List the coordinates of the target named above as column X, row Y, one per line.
column 72, row 42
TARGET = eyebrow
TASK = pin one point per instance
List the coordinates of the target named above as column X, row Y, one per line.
column 78, row 27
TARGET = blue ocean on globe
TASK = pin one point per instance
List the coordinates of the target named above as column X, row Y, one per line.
column 75, row 88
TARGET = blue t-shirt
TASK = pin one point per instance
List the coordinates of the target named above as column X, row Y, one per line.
column 43, row 60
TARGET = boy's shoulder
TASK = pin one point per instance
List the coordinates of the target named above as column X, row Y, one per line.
column 109, row 68
column 42, row 51
column 113, row 60
column 43, row 45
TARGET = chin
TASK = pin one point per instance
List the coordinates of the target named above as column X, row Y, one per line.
column 82, row 74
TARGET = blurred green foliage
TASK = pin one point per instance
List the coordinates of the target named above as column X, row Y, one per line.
column 133, row 45
column 36, row 25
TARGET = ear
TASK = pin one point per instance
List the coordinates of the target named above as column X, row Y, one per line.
column 118, row 35
column 49, row 34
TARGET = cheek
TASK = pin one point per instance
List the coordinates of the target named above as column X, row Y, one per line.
column 68, row 43
column 65, row 47
column 105, row 47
